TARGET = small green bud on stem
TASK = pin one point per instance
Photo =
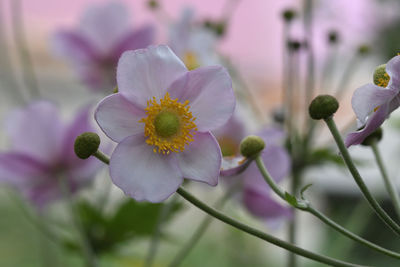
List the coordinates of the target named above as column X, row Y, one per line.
column 323, row 107
column 289, row 14
column 251, row 146
column 86, row 145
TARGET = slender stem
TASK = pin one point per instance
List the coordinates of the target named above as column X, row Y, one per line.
column 257, row 233
column 24, row 55
column 194, row 239
column 86, row 247
column 390, row 187
column 102, row 157
column 166, row 209
column 305, row 206
column 357, row 178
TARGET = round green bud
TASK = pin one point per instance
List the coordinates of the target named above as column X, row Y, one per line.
column 220, row 28
column 86, row 144
column 289, row 14
column 251, row 146
column 375, row 136
column 363, row 49
column 153, row 4
column 323, row 107
column 381, row 78
column 333, row 37
column 294, row 45
column 166, row 124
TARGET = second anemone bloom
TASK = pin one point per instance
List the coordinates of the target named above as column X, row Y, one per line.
column 373, row 103
column 94, row 47
column 161, row 119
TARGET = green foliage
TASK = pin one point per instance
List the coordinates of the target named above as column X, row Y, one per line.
column 325, row 155
column 291, row 199
column 132, row 220
column 304, row 189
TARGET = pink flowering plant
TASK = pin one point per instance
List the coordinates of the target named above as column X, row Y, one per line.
column 113, row 177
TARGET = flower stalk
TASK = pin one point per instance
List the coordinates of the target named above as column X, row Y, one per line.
column 357, row 178
column 390, row 187
column 306, row 206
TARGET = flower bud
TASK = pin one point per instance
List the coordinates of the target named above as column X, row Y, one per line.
column 251, row 146
column 363, row 49
column 153, row 4
column 333, row 37
column 86, row 145
column 375, row 136
column 381, row 78
column 289, row 14
column 294, row 45
column 323, row 107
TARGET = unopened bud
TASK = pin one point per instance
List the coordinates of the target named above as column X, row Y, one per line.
column 289, row 14
column 86, row 145
column 251, row 146
column 323, row 107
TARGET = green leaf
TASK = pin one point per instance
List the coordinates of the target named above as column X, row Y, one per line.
column 291, row 199
column 303, row 190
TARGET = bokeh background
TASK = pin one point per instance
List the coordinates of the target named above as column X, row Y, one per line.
column 254, row 43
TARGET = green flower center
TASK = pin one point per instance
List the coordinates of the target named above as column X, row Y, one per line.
column 166, row 124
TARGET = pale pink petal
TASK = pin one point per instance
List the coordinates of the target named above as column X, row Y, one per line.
column 140, row 38
column 210, row 94
column 37, row 131
column 369, row 97
column 146, row 73
column 20, row 169
column 119, row 118
column 278, row 164
column 263, row 206
column 232, row 166
column 376, row 120
column 201, row 159
column 393, row 70
column 143, row 174
column 105, row 25
column 73, row 47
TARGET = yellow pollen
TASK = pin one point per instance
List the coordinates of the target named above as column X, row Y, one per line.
column 190, row 60
column 383, row 81
column 184, row 134
column 375, row 109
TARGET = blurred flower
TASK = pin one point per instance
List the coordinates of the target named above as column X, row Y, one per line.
column 43, row 153
column 93, row 49
column 256, row 194
column 161, row 119
column 373, row 104
column 192, row 43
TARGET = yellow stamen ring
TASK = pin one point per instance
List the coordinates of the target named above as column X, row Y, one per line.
column 169, row 125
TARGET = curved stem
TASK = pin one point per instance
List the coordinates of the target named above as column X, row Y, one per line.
column 390, row 187
column 264, row 236
column 102, row 157
column 24, row 55
column 308, row 208
column 155, row 240
column 194, row 239
column 357, row 177
column 86, row 247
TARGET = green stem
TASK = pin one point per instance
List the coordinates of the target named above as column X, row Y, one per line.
column 22, row 47
column 357, row 177
column 190, row 244
column 85, row 244
column 102, row 157
column 166, row 209
column 257, row 233
column 305, row 206
column 390, row 187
